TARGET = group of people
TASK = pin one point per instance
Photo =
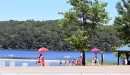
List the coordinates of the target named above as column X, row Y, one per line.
column 73, row 62
column 78, row 61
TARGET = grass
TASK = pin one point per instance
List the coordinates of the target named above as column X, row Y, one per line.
column 89, row 62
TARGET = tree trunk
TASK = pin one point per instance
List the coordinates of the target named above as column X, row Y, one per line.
column 83, row 59
column 102, row 58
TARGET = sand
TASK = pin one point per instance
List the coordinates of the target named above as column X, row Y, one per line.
column 56, row 69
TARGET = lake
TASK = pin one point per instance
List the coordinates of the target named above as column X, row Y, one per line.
column 51, row 55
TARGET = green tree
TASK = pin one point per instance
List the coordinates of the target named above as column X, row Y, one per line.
column 32, row 34
column 106, row 38
column 86, row 16
column 122, row 21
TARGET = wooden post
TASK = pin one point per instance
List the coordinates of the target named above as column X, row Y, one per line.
column 102, row 57
column 127, row 57
column 118, row 57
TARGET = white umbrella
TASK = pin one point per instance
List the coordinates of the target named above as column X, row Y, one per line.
column 66, row 57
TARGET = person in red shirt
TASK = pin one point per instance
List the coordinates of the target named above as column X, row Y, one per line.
column 41, row 60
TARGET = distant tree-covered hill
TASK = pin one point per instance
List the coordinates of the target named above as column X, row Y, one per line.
column 32, row 34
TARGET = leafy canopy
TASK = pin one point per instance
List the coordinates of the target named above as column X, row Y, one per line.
column 90, row 13
column 122, row 21
column 78, row 40
column 86, row 16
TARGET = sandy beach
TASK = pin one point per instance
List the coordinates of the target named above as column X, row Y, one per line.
column 88, row 69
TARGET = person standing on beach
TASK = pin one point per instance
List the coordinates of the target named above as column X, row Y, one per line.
column 95, row 60
column 60, row 62
column 125, row 61
column 80, row 60
column 70, row 62
column 41, row 60
column 65, row 63
column 73, row 62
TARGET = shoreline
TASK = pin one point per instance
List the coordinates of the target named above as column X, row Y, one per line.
column 47, row 62
column 28, row 60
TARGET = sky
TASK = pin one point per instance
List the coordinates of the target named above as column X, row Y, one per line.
column 41, row 9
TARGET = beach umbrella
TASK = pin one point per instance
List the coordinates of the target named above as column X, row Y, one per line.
column 10, row 55
column 102, row 55
column 43, row 50
column 66, row 57
column 95, row 50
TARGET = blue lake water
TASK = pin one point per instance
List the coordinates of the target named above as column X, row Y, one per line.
column 110, row 57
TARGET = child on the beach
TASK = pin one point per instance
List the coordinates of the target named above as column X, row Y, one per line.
column 65, row 63
column 60, row 62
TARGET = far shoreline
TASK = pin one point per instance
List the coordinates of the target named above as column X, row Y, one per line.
column 51, row 50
